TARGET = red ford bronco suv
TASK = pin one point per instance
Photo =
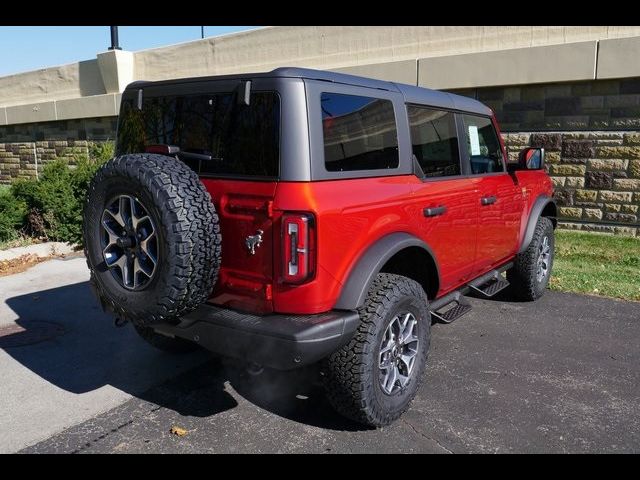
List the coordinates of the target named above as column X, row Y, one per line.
column 297, row 216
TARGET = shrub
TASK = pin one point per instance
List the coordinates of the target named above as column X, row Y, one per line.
column 55, row 201
column 54, row 212
column 101, row 152
column 51, row 207
column 12, row 215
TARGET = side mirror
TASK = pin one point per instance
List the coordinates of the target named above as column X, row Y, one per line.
column 531, row 158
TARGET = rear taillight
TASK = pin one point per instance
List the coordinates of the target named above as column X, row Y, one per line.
column 298, row 246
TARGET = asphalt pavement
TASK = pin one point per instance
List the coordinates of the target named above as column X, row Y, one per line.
column 558, row 375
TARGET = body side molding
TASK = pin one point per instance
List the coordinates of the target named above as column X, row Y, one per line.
column 536, row 211
column 371, row 262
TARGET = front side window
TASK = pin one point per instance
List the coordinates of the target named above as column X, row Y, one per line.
column 483, row 145
column 359, row 133
column 434, row 141
column 215, row 134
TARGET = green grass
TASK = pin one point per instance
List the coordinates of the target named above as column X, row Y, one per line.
column 597, row 264
column 4, row 188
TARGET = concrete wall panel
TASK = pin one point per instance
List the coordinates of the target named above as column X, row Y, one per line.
column 95, row 106
column 619, row 58
column 65, row 81
column 553, row 63
column 402, row 72
column 334, row 47
column 34, row 112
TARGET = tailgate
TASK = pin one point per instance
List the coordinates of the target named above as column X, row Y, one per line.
column 244, row 208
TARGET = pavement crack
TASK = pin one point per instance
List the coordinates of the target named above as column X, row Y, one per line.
column 116, row 429
column 101, row 437
column 426, row 436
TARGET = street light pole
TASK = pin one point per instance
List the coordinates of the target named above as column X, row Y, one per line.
column 114, row 39
column 202, row 32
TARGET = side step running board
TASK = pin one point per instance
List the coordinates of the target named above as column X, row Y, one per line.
column 490, row 287
column 452, row 306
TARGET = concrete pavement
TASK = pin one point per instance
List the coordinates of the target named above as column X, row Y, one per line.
column 89, row 369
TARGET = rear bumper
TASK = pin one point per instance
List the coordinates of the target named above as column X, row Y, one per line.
column 283, row 342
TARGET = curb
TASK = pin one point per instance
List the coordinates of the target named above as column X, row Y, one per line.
column 42, row 250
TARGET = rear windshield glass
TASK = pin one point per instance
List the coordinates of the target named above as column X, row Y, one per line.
column 214, row 133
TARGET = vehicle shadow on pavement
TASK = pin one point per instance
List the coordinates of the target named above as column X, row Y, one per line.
column 85, row 352
column 296, row 395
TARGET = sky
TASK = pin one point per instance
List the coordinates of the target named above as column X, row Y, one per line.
column 30, row 48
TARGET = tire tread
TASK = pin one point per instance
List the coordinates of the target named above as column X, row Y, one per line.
column 194, row 240
column 522, row 276
column 347, row 374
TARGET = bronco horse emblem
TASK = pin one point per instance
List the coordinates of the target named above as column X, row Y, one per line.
column 254, row 241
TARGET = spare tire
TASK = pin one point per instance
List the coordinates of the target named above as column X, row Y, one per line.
column 152, row 238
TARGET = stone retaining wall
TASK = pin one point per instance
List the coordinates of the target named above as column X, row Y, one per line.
column 18, row 160
column 596, row 177
column 96, row 129
column 594, row 105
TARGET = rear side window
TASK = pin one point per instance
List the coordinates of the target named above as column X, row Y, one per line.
column 434, row 141
column 483, row 145
column 215, row 134
column 359, row 133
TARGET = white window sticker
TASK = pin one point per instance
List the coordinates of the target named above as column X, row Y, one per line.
column 474, row 140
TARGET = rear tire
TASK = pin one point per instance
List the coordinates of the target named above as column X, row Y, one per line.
column 531, row 272
column 355, row 381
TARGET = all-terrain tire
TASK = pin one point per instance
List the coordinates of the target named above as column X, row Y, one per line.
column 523, row 277
column 351, row 375
column 188, row 237
column 164, row 343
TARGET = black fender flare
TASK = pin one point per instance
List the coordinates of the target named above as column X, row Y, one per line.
column 536, row 211
column 354, row 290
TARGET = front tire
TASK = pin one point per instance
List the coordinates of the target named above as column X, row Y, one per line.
column 531, row 272
column 374, row 378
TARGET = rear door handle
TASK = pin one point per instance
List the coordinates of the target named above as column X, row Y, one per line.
column 434, row 211
column 488, row 200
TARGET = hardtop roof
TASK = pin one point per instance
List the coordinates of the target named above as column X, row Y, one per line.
column 411, row 93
